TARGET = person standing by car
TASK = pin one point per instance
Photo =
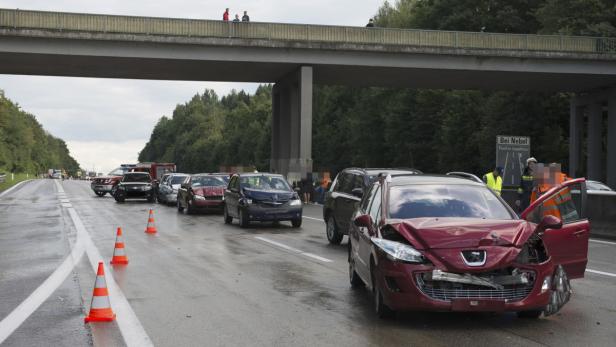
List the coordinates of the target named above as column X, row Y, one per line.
column 225, row 16
column 494, row 180
column 527, row 184
column 245, row 17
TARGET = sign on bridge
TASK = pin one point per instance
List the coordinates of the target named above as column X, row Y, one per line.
column 511, row 155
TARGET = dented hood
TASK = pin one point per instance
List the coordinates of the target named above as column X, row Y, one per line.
column 432, row 233
column 443, row 239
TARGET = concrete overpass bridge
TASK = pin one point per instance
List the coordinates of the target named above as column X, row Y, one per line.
column 295, row 57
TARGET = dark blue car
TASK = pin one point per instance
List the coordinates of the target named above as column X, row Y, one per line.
column 261, row 197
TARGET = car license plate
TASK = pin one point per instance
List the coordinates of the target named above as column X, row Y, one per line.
column 479, row 305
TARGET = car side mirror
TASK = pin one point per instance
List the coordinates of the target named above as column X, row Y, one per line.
column 550, row 222
column 357, row 192
column 363, row 221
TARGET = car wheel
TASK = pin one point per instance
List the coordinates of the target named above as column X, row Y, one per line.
column 382, row 310
column 100, row 193
column 119, row 199
column 530, row 314
column 228, row 219
column 180, row 208
column 333, row 236
column 243, row 219
column 354, row 278
column 296, row 223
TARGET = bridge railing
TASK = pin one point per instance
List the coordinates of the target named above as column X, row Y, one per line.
column 300, row 32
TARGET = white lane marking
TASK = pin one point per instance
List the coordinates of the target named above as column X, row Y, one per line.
column 293, row 250
column 132, row 331
column 66, row 205
column 601, row 241
column 9, row 324
column 65, row 200
column 318, row 219
column 601, row 273
column 13, row 187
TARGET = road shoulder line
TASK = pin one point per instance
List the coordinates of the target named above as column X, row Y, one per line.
column 293, row 250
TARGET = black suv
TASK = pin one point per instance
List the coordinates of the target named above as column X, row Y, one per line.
column 135, row 185
column 344, row 196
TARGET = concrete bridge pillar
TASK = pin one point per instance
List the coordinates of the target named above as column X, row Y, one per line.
column 576, row 122
column 611, row 139
column 291, row 153
column 595, row 150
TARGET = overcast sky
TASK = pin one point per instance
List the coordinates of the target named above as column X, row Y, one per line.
column 106, row 122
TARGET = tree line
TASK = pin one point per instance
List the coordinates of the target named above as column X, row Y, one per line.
column 25, row 146
column 432, row 130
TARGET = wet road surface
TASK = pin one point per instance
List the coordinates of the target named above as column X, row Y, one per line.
column 200, row 282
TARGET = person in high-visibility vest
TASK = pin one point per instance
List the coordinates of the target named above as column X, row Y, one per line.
column 494, row 180
column 561, row 205
column 527, row 184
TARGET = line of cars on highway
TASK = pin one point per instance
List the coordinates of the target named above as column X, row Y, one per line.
column 247, row 197
column 417, row 241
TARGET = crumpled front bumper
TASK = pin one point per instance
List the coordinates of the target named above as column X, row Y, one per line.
column 402, row 291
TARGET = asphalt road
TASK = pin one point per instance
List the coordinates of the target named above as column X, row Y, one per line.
column 200, row 282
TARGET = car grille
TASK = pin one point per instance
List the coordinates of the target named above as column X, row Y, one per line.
column 447, row 291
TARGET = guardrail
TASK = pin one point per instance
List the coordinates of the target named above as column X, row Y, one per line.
column 62, row 21
column 2, row 177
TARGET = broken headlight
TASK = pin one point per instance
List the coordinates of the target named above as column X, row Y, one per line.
column 397, row 251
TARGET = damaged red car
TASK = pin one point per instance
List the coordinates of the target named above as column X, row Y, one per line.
column 441, row 243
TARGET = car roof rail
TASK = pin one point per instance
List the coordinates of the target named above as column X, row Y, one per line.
column 466, row 175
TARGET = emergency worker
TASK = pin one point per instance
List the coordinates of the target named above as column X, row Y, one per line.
column 527, row 183
column 560, row 205
column 494, row 180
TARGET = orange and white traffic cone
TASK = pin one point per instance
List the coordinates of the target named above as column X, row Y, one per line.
column 100, row 308
column 151, row 229
column 119, row 253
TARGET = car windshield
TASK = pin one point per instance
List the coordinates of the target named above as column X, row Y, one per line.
column 264, row 182
column 136, row 178
column 118, row 172
column 208, row 181
column 466, row 201
column 176, row 180
column 591, row 185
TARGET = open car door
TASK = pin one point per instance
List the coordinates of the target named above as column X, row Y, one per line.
column 568, row 246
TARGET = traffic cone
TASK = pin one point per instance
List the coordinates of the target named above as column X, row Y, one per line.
column 151, row 229
column 100, row 309
column 119, row 254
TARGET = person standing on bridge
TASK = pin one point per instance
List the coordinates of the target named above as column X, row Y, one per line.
column 225, row 16
column 370, row 23
column 494, row 180
column 245, row 17
column 236, row 19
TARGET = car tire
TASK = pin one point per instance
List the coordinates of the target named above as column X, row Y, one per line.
column 100, row 193
column 180, row 208
column 333, row 235
column 296, row 223
column 382, row 310
column 354, row 278
column 530, row 314
column 244, row 221
column 119, row 199
column 228, row 219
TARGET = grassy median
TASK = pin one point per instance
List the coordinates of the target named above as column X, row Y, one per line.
column 8, row 183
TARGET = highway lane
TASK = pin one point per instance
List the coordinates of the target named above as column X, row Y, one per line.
column 201, row 282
